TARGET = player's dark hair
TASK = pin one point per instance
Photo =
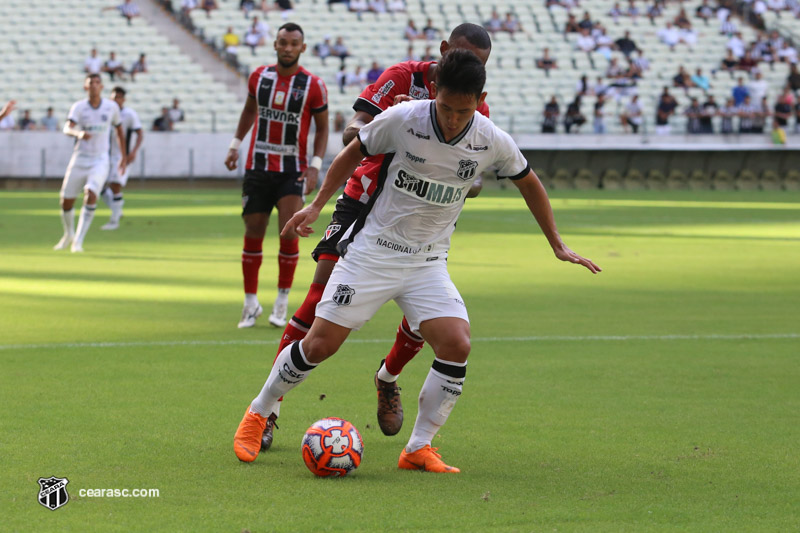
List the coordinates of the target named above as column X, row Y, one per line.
column 475, row 35
column 119, row 90
column 290, row 27
column 460, row 71
column 93, row 75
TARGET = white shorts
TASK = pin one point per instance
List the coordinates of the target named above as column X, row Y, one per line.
column 355, row 292
column 84, row 173
column 113, row 172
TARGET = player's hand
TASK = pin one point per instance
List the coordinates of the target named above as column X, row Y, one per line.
column 121, row 166
column 131, row 157
column 311, row 176
column 8, row 108
column 565, row 254
column 232, row 161
column 85, row 136
column 300, row 223
column 400, row 98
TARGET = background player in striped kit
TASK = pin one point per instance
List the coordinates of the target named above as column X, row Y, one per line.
column 90, row 122
column 282, row 100
column 112, row 192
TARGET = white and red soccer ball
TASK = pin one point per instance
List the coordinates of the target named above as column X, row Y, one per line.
column 332, row 447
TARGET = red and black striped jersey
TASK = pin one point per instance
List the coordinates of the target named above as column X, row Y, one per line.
column 409, row 78
column 285, row 105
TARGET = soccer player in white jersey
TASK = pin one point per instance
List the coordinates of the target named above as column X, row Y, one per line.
column 112, row 192
column 90, row 122
column 397, row 249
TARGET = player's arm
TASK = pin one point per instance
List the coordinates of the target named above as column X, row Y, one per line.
column 123, row 162
column 311, row 173
column 359, row 120
column 139, row 138
column 246, row 120
column 535, row 196
column 7, row 109
column 71, row 130
column 340, row 170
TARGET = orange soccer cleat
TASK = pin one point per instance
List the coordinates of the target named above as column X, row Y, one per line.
column 425, row 459
column 247, row 441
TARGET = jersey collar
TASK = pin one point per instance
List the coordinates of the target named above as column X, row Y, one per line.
column 439, row 135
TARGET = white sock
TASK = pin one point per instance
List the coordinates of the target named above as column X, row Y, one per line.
column 289, row 370
column 283, row 296
column 68, row 222
column 384, row 375
column 437, row 398
column 116, row 207
column 250, row 299
column 84, row 221
column 107, row 196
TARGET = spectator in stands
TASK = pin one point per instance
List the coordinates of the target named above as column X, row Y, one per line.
column 736, row 45
column 664, row 110
column 323, row 50
column 26, row 123
column 739, row 93
column 127, row 9
column 262, row 28
column 614, row 70
column 551, row 113
column 632, row 115
column 700, row 80
column 586, row 22
column 358, row 7
column 139, row 66
column 338, row 122
column 727, row 112
column 411, row 33
column 428, row 55
column 761, row 116
column 378, row 6
column 175, row 112
column 340, row 50
column 93, row 64
column 747, row 63
column 787, row 53
column 396, row 6
column 231, row 42
column 341, row 78
column 693, row 114
column 641, row 63
column 574, row 117
column 704, row 11
column 728, row 27
column 626, row 45
column 284, row 6
column 793, row 79
column 357, row 78
column 710, row 110
column 511, row 24
column 246, row 6
column 655, row 10
column 546, row 62
column 729, row 63
column 163, row 123
column 776, row 5
column 50, row 122
column 494, row 24
column 571, row 26
column 669, row 36
column 603, row 42
column 431, row 32
column 782, row 111
column 255, row 36
column 682, row 79
column 758, row 87
column 208, row 6
column 585, row 42
column 682, row 21
column 599, row 118
column 632, row 11
column 797, row 116
column 113, row 67
column 374, row 72
column 615, row 13
column 747, row 112
column 187, row 6
column 583, row 88
column 599, row 87
column 410, row 55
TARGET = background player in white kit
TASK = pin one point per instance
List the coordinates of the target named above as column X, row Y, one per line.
column 112, row 192
column 89, row 121
column 398, row 246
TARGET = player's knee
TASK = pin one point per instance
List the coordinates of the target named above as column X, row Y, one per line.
column 317, row 349
column 455, row 349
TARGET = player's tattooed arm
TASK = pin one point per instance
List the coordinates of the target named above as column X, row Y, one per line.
column 72, row 131
column 340, row 170
column 535, row 196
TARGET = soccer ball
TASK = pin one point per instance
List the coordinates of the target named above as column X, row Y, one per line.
column 332, row 447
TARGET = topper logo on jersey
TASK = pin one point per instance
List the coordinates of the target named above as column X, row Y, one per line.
column 279, row 116
column 415, row 158
column 466, row 169
column 429, row 191
column 343, row 295
column 383, row 91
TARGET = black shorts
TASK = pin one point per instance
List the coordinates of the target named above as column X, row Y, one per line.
column 261, row 190
column 345, row 213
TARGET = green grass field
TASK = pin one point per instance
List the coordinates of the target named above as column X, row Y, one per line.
column 660, row 395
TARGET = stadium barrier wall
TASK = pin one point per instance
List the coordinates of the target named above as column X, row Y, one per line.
column 176, row 155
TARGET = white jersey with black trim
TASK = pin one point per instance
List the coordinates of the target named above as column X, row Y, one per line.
column 424, row 182
column 130, row 123
column 97, row 121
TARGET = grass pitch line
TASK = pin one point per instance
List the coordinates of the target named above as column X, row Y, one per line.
column 571, row 338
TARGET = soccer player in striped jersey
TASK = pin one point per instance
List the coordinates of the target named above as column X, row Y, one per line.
column 397, row 248
column 409, row 80
column 90, row 121
column 112, row 193
column 282, row 100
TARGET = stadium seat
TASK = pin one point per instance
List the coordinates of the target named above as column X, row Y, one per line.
column 746, row 180
column 699, row 180
column 722, row 181
column 791, row 181
column 656, row 180
column 585, row 179
column 634, row 180
column 677, row 180
column 611, row 180
column 770, row 181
